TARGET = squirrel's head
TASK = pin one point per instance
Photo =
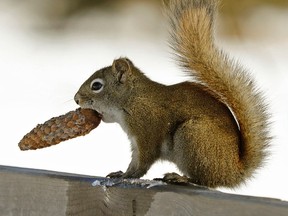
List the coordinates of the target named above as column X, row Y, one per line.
column 108, row 89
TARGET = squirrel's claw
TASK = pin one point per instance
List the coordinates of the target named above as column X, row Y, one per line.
column 174, row 178
column 117, row 174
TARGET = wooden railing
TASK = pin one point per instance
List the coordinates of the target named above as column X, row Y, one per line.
column 39, row 193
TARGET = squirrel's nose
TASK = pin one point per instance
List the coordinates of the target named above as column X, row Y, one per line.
column 77, row 98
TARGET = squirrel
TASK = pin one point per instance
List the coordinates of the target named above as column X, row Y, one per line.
column 214, row 127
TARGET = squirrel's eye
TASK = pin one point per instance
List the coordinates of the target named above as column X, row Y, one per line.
column 96, row 85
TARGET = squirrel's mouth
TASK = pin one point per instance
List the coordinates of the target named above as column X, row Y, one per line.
column 99, row 114
column 87, row 106
column 105, row 116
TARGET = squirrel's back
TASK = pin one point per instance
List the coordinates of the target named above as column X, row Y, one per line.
column 193, row 41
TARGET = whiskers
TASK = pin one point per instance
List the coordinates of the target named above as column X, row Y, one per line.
column 69, row 101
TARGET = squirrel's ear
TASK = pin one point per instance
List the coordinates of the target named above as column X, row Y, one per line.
column 122, row 68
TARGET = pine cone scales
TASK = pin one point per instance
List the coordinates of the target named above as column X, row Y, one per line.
column 57, row 129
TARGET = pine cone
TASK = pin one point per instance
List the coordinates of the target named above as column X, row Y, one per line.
column 74, row 123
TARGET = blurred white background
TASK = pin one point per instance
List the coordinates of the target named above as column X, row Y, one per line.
column 45, row 59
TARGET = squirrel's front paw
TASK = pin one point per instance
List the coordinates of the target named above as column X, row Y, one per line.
column 117, row 174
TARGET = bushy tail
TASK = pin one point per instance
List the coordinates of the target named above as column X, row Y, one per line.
column 193, row 41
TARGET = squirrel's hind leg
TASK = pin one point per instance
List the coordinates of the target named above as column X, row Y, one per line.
column 205, row 146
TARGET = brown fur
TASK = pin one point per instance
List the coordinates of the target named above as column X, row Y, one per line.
column 190, row 124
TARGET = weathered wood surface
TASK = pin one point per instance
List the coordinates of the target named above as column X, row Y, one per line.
column 37, row 192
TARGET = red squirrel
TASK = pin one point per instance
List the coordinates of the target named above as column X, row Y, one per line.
column 213, row 127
